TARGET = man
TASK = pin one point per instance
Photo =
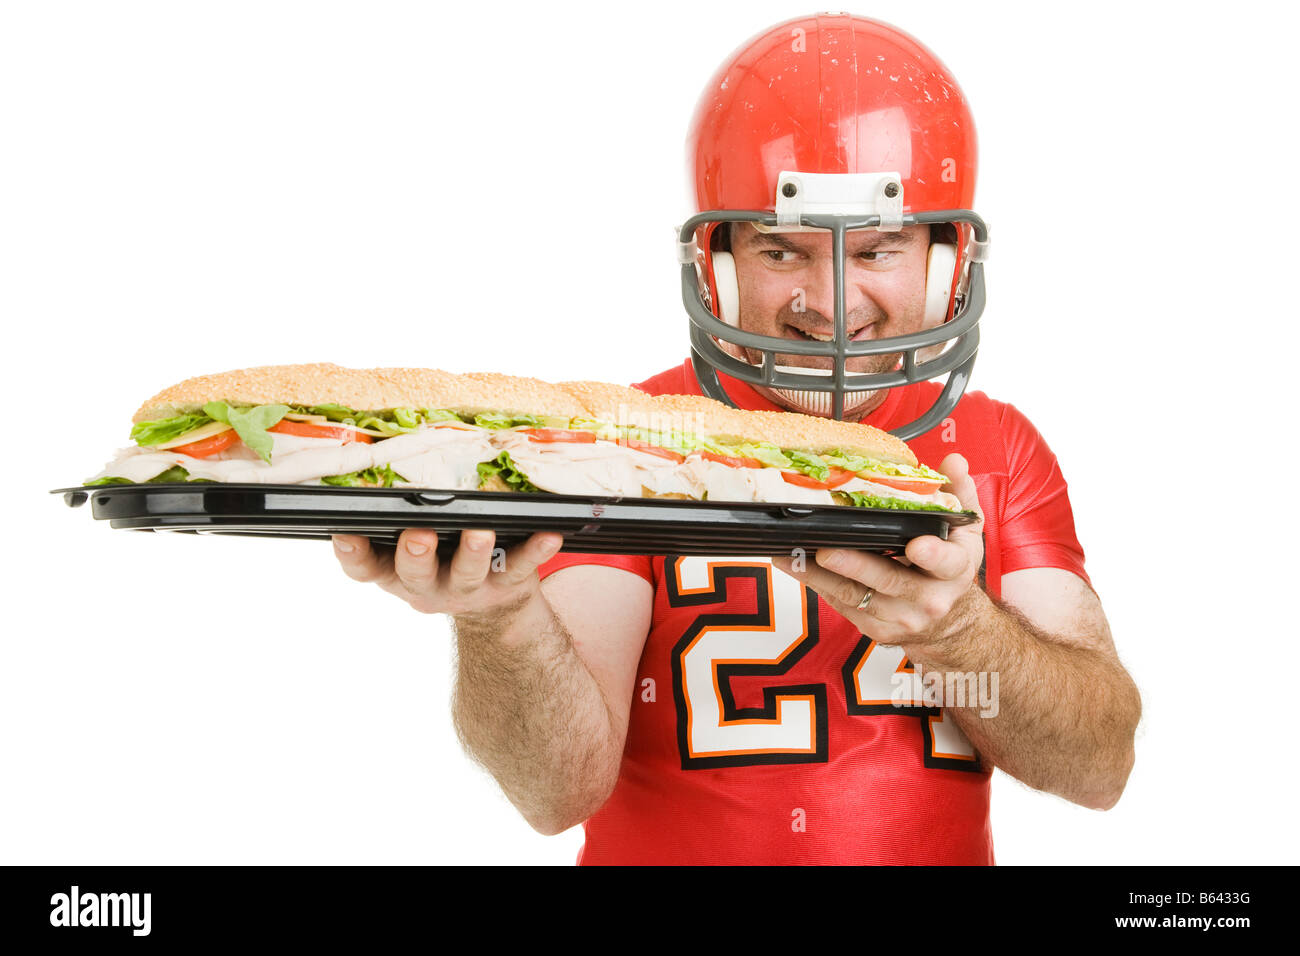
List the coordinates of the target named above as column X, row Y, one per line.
column 747, row 710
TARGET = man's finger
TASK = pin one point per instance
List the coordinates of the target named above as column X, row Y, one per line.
column 359, row 560
column 941, row 559
column 961, row 484
column 470, row 564
column 881, row 609
column 416, row 560
column 828, row 584
column 874, row 570
column 522, row 560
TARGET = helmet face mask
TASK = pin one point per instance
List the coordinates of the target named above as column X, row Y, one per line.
column 949, row 347
column 851, row 127
column 786, row 289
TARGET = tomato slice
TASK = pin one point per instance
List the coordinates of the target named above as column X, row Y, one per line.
column 309, row 430
column 559, row 434
column 836, row 478
column 921, row 486
column 647, row 447
column 732, row 462
column 803, row 481
column 206, row 447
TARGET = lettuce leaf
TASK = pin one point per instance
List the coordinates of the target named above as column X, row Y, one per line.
column 768, row 454
column 384, row 426
column 679, row 442
column 395, row 421
column 811, row 465
column 250, row 423
column 165, row 429
column 335, row 413
column 383, row 476
column 402, row 420
column 174, row 473
column 863, row 500
column 406, row 417
column 504, row 466
column 491, row 420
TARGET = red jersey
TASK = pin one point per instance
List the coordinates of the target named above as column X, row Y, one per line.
column 764, row 727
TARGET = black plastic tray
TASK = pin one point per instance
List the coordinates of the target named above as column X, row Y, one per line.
column 589, row 524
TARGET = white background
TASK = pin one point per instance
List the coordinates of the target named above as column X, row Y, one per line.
column 189, row 188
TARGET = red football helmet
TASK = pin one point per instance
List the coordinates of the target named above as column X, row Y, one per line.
column 832, row 123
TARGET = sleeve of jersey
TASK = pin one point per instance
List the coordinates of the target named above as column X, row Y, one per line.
column 636, row 563
column 1037, row 527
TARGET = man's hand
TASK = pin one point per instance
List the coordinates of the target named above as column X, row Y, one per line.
column 465, row 585
column 916, row 604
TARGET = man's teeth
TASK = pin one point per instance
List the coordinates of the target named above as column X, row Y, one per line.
column 819, row 337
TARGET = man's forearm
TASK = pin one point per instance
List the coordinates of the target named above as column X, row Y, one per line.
column 528, row 709
column 1066, row 714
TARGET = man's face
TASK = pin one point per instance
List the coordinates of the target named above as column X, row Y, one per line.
column 787, row 290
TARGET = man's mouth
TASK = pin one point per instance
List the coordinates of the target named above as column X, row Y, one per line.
column 825, row 335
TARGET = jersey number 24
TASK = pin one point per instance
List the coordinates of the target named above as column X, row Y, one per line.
column 791, row 724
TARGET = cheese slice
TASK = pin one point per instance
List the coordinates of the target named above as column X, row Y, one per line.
column 209, row 430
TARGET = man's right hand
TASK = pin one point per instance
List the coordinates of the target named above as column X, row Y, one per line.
column 467, row 584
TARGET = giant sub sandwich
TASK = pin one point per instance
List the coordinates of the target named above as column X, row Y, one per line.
column 395, row 427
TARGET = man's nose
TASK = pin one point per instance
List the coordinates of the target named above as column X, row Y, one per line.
column 817, row 286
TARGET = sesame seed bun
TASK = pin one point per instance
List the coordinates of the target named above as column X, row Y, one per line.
column 607, row 401
column 315, row 384
column 480, row 392
column 377, row 389
column 786, row 429
column 704, row 416
column 815, row 434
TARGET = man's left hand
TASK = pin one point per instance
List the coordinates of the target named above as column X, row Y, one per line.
column 916, row 604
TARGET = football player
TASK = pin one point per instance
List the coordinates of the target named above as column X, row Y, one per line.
column 752, row 710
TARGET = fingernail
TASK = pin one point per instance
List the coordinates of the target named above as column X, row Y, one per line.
column 833, row 563
column 416, row 547
column 343, row 546
column 475, row 542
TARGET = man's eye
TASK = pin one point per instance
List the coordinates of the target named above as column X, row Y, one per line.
column 775, row 255
column 876, row 256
